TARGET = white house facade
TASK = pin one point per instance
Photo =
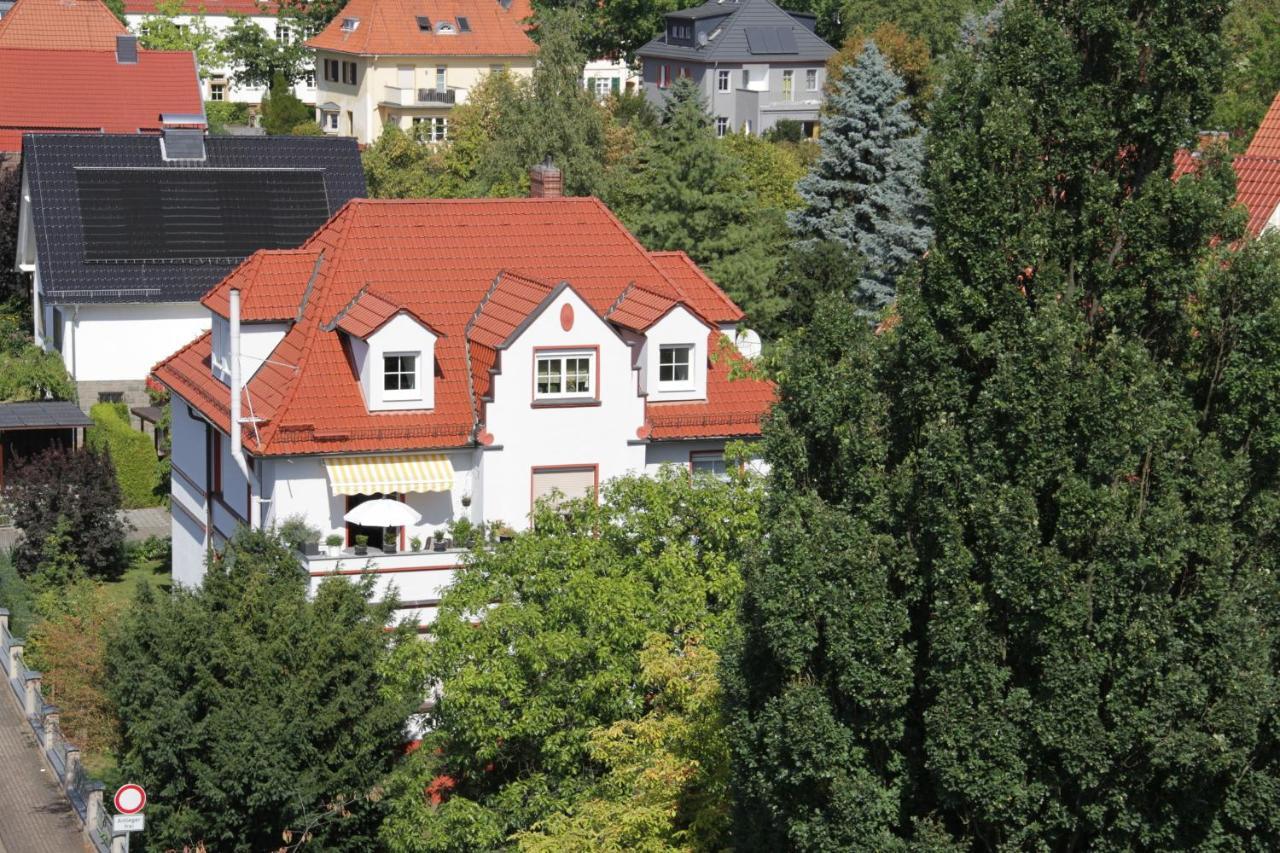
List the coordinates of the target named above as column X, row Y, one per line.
column 462, row 390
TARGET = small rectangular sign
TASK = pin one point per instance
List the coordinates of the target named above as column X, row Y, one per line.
column 128, row 822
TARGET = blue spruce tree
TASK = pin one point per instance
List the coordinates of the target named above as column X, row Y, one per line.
column 865, row 190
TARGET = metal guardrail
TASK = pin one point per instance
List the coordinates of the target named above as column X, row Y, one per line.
column 63, row 757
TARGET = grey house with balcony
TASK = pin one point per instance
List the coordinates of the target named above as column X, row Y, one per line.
column 756, row 64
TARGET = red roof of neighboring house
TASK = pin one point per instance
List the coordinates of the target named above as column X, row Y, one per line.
column 271, row 283
column 207, row 7
column 443, row 261
column 60, row 25
column 67, row 90
column 1257, row 184
column 1266, row 141
column 696, row 290
column 390, row 27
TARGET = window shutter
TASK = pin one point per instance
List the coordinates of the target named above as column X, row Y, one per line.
column 616, row 85
column 591, row 85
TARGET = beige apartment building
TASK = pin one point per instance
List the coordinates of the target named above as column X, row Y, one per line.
column 406, row 62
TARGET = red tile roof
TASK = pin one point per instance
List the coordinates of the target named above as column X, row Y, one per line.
column 60, row 25
column 65, row 90
column 365, row 314
column 696, row 290
column 271, row 284
column 1257, row 184
column 252, row 8
column 638, row 308
column 510, row 301
column 390, row 28
column 439, row 259
column 1266, row 141
column 736, row 400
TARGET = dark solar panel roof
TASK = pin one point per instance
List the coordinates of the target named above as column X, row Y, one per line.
column 45, row 414
column 770, row 40
column 115, row 222
column 754, row 31
column 196, row 214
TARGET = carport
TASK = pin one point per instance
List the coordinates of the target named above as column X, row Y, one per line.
column 29, row 428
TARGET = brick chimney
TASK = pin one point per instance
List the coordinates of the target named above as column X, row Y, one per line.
column 545, row 180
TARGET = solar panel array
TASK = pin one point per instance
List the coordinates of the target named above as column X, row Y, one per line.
column 180, row 214
column 770, row 40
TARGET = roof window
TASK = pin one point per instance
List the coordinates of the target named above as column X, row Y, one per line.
column 464, row 25
column 424, row 24
column 349, row 24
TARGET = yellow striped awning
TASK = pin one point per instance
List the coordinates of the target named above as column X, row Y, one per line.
column 372, row 475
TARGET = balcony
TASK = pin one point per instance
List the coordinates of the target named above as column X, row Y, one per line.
column 395, row 96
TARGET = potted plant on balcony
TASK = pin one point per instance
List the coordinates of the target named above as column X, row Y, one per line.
column 416, row 543
column 439, row 537
column 463, row 533
column 466, row 500
column 390, row 540
column 333, row 544
column 362, row 545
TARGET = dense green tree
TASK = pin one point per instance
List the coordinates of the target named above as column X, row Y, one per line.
column 282, row 112
column 538, row 644
column 14, row 286
column 1252, row 73
column 908, row 56
column 28, row 372
column 117, row 9
column 866, row 189
column 315, row 14
column 615, row 27
column 935, row 21
column 688, row 192
column 73, row 493
column 187, row 671
column 257, row 56
column 171, row 27
column 1020, row 582
column 808, row 271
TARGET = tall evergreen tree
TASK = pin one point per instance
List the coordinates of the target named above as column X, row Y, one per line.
column 690, row 195
column 866, row 189
column 1020, row 586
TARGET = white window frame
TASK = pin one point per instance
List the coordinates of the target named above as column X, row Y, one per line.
column 442, row 78
column 414, row 393
column 722, row 126
column 329, row 120
column 562, row 356
column 811, row 79
column 675, row 384
column 217, row 90
column 723, row 80
column 604, row 87
column 704, row 463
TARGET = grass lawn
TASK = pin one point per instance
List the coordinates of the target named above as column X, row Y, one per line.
column 153, row 573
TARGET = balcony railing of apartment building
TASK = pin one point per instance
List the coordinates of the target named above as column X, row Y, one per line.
column 400, row 97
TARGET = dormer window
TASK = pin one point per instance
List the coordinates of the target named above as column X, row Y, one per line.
column 562, row 375
column 674, row 361
column 400, row 376
column 680, row 32
column 444, row 29
column 349, row 24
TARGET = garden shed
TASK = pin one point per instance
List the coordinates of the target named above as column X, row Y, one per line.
column 28, row 428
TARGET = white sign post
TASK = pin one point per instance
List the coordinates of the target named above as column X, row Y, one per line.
column 129, row 800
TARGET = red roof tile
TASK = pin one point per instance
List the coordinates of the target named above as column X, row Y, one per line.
column 365, row 314
column 736, row 400
column 1257, row 184
column 696, row 290
column 444, row 261
column 638, row 308
column 271, row 284
column 1266, row 141
column 63, row 90
column 390, row 27
column 60, row 25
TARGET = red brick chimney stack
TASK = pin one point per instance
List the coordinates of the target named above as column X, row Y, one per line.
column 545, row 180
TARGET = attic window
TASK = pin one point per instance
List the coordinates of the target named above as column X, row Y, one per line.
column 464, row 25
column 349, row 24
column 444, row 28
column 424, row 24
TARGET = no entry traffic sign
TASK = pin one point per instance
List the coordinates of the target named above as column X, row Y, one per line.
column 130, row 799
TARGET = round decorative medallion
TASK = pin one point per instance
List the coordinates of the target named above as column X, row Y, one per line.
column 566, row 316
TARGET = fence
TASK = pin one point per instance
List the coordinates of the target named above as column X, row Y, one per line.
column 84, row 794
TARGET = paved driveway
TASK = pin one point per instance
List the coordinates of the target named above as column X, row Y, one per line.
column 34, row 816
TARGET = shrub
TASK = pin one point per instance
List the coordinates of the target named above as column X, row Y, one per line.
column 222, row 113
column 78, row 486
column 30, row 373
column 295, row 532
column 131, row 451
column 16, row 597
column 281, row 110
column 786, row 130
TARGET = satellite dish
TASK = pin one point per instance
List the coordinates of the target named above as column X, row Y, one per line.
column 748, row 343
column 702, row 39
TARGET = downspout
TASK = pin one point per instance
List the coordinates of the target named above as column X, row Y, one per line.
column 237, row 450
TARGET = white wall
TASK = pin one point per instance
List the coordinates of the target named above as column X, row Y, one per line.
column 187, row 494
column 401, row 334
column 534, row 436
column 682, row 328
column 124, row 341
column 257, row 341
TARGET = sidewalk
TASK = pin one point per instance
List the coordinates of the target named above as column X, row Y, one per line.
column 34, row 815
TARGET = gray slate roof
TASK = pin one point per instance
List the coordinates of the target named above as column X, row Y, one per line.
column 268, row 206
column 43, row 414
column 731, row 44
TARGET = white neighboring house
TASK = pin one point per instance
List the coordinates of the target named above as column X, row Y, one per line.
column 218, row 14
column 123, row 233
column 605, row 77
column 463, row 356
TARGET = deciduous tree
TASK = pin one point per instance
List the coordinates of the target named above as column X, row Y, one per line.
column 172, row 27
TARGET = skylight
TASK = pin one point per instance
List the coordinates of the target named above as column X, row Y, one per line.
column 464, row 25
column 349, row 24
column 424, row 24
column 444, row 29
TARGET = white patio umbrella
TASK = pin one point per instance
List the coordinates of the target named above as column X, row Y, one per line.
column 384, row 512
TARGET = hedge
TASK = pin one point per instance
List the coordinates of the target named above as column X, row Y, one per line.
column 132, row 451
